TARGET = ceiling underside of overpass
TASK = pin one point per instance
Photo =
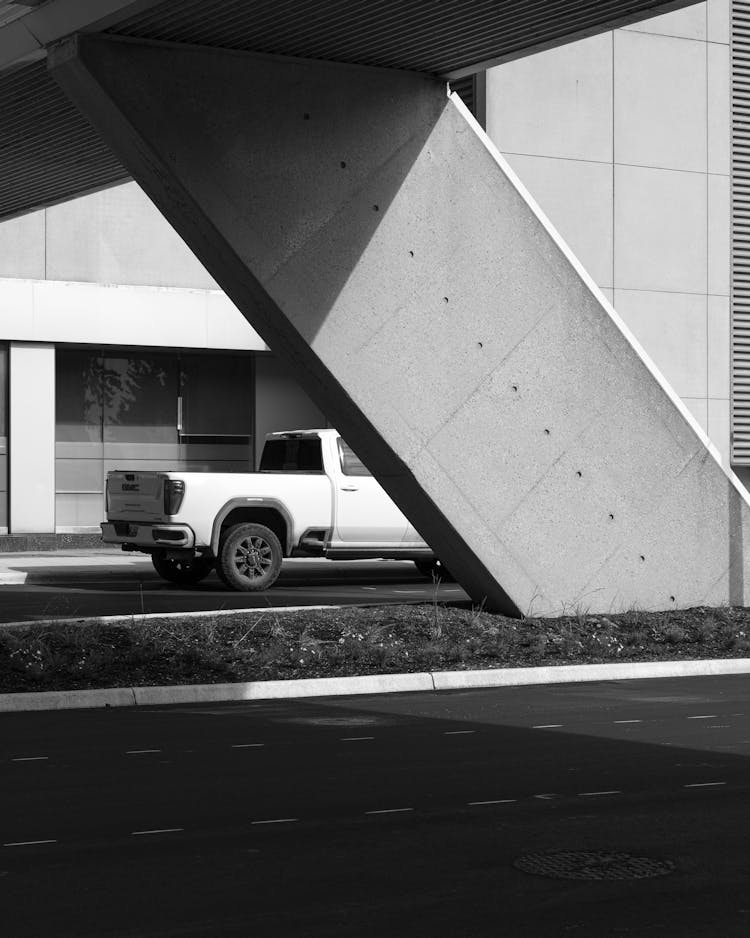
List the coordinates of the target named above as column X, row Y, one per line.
column 48, row 151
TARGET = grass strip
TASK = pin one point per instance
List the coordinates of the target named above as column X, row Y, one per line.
column 258, row 645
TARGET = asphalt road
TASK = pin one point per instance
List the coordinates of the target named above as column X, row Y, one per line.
column 69, row 584
column 415, row 815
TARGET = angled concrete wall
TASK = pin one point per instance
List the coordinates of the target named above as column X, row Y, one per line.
column 373, row 236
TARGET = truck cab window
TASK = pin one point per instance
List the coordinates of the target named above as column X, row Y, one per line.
column 292, row 455
column 351, row 464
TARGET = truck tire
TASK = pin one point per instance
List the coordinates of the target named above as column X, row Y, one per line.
column 186, row 572
column 249, row 558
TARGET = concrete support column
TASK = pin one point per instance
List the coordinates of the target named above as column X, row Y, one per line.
column 375, row 238
column 31, row 441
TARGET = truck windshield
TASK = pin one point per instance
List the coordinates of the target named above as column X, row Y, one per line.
column 292, row 455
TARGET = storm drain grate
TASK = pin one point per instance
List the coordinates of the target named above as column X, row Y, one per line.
column 593, row 864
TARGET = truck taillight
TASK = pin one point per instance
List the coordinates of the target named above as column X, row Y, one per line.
column 174, row 492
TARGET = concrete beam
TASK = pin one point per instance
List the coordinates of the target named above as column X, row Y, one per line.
column 373, row 236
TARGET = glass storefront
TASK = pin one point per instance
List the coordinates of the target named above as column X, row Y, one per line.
column 142, row 409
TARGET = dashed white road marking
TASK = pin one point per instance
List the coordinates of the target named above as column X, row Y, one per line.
column 355, row 739
column 161, row 830
column 704, row 716
column 409, row 591
column 495, row 801
column 591, row 794
column 369, row 588
column 627, row 721
column 459, row 732
column 390, row 811
column 547, row 726
column 138, row 752
column 546, row 797
column 28, row 843
column 704, row 785
column 248, row 745
column 278, row 820
column 30, row 759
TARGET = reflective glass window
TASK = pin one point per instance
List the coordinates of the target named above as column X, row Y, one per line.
column 78, row 396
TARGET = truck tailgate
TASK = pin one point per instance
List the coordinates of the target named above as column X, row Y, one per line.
column 135, row 496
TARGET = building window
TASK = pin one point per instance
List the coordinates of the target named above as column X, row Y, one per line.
column 145, row 409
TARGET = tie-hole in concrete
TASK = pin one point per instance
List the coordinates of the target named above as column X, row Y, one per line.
column 305, row 117
column 611, row 516
column 546, row 432
column 342, row 164
column 480, row 344
column 579, row 474
column 376, row 208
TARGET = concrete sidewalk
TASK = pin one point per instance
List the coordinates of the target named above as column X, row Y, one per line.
column 16, row 566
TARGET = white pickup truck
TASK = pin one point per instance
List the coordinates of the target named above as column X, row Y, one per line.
column 311, row 497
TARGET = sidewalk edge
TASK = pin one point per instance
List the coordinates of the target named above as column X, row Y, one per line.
column 366, row 684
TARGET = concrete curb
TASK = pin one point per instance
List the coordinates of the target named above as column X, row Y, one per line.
column 366, row 684
column 146, row 616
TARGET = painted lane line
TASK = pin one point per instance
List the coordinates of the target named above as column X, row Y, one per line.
column 591, row 794
column 704, row 785
column 548, row 726
column 162, row 830
column 30, row 759
column 138, row 752
column 459, row 732
column 497, row 801
column 627, row 721
column 355, row 739
column 29, row 843
column 390, row 811
column 278, row 820
column 248, row 745
column 370, row 588
column 705, row 716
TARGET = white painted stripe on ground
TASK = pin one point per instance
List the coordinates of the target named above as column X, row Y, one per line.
column 30, row 759
column 161, row 830
column 705, row 716
column 278, row 820
column 139, row 752
column 627, row 721
column 704, row 785
column 548, row 726
column 248, row 745
column 28, row 843
column 355, row 739
column 591, row 794
column 390, row 811
column 496, row 801
column 458, row 732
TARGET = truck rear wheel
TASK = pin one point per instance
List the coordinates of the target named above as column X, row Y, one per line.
column 185, row 572
column 249, row 557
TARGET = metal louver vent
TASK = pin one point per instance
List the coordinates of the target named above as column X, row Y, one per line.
column 48, row 150
column 740, row 355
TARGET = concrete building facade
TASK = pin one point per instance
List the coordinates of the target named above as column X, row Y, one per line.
column 624, row 140
column 108, row 321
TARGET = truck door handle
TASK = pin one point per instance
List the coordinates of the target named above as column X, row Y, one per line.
column 349, row 488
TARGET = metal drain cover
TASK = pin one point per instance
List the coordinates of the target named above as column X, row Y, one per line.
column 593, row 865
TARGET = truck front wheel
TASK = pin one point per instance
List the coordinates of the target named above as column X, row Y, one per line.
column 249, row 557
column 185, row 572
